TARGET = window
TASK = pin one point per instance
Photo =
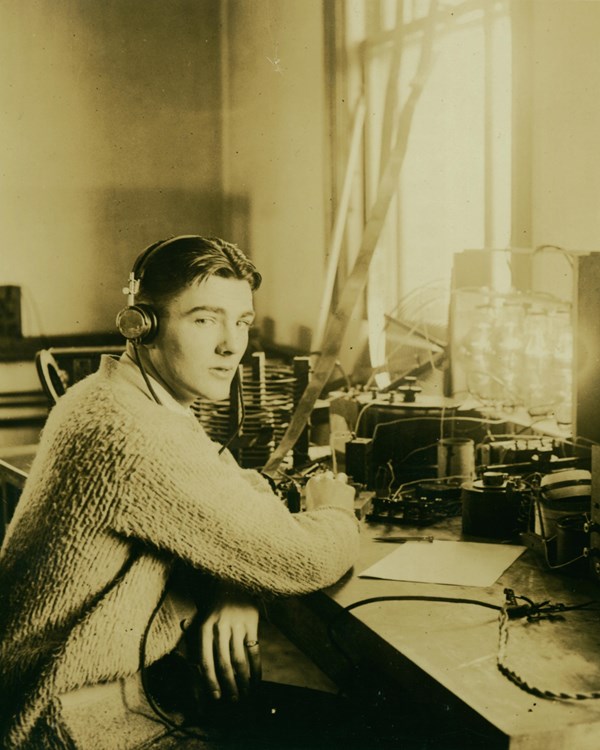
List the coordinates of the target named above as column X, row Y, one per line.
column 453, row 189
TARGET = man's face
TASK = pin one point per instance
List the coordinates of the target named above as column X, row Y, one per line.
column 202, row 338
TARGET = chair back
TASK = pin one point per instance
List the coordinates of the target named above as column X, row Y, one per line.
column 49, row 373
column 59, row 368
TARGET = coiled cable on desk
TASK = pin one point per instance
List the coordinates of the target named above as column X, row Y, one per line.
column 515, row 607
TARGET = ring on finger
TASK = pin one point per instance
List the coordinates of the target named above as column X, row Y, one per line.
column 251, row 644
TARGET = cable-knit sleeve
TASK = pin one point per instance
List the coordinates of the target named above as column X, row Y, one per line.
column 254, row 478
column 176, row 493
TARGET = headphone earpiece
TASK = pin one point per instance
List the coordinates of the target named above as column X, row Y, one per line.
column 137, row 323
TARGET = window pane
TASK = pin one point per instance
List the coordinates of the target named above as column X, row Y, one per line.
column 454, row 187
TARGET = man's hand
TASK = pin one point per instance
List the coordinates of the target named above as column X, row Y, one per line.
column 324, row 489
column 229, row 650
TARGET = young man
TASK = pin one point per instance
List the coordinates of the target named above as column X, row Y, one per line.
column 133, row 522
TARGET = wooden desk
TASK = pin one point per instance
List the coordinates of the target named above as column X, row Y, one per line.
column 15, row 463
column 14, row 467
column 443, row 656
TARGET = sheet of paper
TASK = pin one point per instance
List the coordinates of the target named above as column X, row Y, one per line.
column 458, row 563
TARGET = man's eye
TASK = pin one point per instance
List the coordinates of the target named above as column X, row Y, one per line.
column 245, row 323
column 204, row 321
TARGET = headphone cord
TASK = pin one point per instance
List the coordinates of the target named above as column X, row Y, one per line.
column 170, row 723
column 142, row 369
column 238, row 394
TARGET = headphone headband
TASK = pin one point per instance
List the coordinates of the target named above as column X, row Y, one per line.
column 139, row 322
column 143, row 258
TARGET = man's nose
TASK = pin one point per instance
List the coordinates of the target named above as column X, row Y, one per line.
column 232, row 341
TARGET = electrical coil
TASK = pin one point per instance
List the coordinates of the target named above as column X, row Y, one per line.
column 269, row 400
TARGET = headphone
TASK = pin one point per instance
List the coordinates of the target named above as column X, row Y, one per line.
column 138, row 322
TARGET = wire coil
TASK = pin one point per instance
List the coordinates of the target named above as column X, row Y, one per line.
column 269, row 398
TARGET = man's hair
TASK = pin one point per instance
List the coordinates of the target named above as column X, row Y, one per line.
column 178, row 263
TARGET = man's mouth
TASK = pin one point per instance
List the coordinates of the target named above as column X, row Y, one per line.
column 222, row 372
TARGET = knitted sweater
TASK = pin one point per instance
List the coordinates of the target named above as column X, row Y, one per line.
column 120, row 487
